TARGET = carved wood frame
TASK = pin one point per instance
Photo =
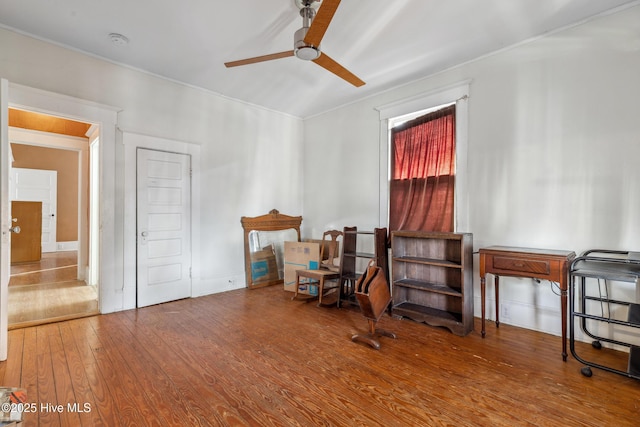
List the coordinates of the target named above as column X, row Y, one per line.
column 273, row 221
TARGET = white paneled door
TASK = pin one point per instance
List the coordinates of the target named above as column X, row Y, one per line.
column 163, row 226
column 36, row 185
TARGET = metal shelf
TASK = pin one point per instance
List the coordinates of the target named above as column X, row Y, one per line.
column 587, row 271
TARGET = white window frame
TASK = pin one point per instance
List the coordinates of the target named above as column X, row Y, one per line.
column 391, row 114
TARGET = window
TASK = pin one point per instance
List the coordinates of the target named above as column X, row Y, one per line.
column 398, row 113
column 422, row 181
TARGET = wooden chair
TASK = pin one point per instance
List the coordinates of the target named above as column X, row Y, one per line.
column 327, row 270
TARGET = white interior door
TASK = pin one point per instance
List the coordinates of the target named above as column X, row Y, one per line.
column 36, row 185
column 163, row 226
column 5, row 217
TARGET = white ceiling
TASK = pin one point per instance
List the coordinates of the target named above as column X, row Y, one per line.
column 386, row 43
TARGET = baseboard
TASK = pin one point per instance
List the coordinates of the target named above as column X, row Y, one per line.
column 66, row 246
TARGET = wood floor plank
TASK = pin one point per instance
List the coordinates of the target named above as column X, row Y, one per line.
column 303, row 395
column 206, row 403
column 102, row 405
column 281, row 400
column 81, row 401
column 151, row 380
column 256, row 358
column 178, row 381
column 29, row 379
column 134, row 408
column 13, row 365
column 46, row 394
column 64, row 390
column 360, row 374
column 198, row 365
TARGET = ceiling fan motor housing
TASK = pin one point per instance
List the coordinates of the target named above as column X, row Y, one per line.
column 303, row 50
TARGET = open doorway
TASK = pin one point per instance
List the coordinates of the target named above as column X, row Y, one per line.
column 62, row 282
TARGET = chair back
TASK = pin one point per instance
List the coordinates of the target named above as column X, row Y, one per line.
column 333, row 245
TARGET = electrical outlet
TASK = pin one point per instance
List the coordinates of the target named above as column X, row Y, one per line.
column 505, row 311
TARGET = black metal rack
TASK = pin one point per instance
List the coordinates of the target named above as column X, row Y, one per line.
column 593, row 268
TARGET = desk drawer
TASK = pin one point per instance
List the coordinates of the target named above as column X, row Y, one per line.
column 521, row 265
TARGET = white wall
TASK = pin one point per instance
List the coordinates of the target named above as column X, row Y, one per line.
column 553, row 149
column 552, row 158
column 249, row 156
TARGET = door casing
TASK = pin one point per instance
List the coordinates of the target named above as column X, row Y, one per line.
column 105, row 117
column 132, row 141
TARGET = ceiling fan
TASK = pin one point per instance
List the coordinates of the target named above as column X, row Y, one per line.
column 306, row 41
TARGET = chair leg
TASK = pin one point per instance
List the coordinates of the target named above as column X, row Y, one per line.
column 320, row 290
column 295, row 295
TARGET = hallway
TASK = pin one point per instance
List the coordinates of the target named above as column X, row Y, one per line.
column 47, row 291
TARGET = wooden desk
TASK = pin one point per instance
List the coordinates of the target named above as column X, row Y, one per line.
column 542, row 264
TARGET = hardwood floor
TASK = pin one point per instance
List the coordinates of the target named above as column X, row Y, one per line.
column 254, row 357
column 53, row 267
column 46, row 291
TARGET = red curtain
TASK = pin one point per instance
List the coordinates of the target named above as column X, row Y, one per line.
column 423, row 173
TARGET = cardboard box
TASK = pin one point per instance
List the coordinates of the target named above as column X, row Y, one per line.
column 263, row 265
column 300, row 256
column 325, row 243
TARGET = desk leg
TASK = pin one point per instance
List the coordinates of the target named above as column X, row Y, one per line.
column 563, row 311
column 482, row 298
column 497, row 285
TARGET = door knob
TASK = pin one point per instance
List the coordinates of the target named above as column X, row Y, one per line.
column 143, row 237
column 15, row 229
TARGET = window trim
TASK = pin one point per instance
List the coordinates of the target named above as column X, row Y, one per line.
column 401, row 110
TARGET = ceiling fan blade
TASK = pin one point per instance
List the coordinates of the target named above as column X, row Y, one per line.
column 329, row 64
column 321, row 22
column 259, row 59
